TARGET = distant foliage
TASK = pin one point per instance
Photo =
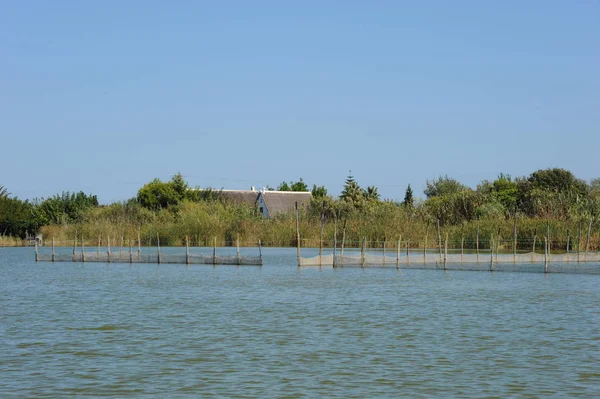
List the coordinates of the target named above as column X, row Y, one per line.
column 352, row 193
column 443, row 186
column 299, row 185
column 175, row 210
column 319, row 191
column 409, row 200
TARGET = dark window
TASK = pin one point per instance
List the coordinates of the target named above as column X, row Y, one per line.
column 261, row 209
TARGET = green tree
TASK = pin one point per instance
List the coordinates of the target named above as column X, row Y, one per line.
column 409, row 200
column 352, row 192
column 371, row 193
column 293, row 186
column 4, row 192
column 158, row 195
column 180, row 186
column 442, row 186
column 299, row 186
column 65, row 208
column 284, row 186
column 319, row 191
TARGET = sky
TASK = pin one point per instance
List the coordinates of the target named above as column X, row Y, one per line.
column 105, row 96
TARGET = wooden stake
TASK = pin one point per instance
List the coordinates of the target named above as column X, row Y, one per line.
column 446, row 251
column 587, row 241
column 334, row 237
column 260, row 252
column 343, row 239
column 122, row 239
column 187, row 251
column 462, row 248
column 492, row 252
column 384, row 243
column 515, row 239
column 534, row 242
column 321, row 234
column 74, row 243
column 362, row 252
column 139, row 246
column 158, row 247
column 439, row 239
column 130, row 252
column 579, row 241
column 398, row 253
column 215, row 251
column 108, row 248
column 82, row 249
column 36, row 250
column 53, row 254
column 425, row 246
column 545, row 254
column 407, row 251
column 497, row 244
column 298, row 235
column 477, row 241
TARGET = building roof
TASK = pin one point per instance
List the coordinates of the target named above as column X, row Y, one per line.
column 241, row 196
column 282, row 201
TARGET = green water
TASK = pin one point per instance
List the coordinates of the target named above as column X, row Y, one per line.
column 120, row 330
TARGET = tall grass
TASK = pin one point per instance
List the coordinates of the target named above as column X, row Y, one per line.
column 8, row 241
column 203, row 223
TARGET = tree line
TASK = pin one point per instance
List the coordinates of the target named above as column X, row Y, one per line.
column 175, row 210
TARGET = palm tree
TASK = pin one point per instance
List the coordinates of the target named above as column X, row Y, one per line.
column 3, row 192
column 371, row 193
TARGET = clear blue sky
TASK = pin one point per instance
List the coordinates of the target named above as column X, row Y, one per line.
column 104, row 96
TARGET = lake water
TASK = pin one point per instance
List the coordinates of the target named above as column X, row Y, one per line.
column 120, row 330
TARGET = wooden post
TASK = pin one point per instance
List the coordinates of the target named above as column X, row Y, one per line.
column 492, row 252
column 108, row 248
column 215, row 251
column 548, row 230
column 82, row 249
column 407, row 251
column 384, row 243
column 425, row 246
column 446, row 251
column 497, row 244
column 579, row 241
column 587, row 241
column 462, row 248
column 122, row 239
column 130, row 252
column 298, row 235
column 534, row 242
column 343, row 240
column 260, row 252
column 335, row 221
column 237, row 249
column 568, row 240
column 477, row 241
column 53, row 254
column 187, row 251
column 515, row 239
column 98, row 247
column 398, row 253
column 545, row 254
column 74, row 244
column 321, row 234
column 139, row 246
column 36, row 250
column 362, row 252
column 439, row 239
column 158, row 247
